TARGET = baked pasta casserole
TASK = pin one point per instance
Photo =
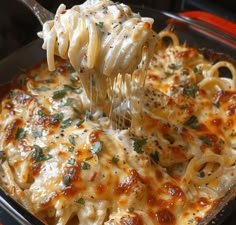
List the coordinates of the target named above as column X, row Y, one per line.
column 165, row 155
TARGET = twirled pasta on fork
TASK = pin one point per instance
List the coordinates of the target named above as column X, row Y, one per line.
column 99, row 38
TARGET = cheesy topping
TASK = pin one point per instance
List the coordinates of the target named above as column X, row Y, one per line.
column 70, row 166
column 170, row 162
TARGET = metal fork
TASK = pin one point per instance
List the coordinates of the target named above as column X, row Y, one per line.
column 39, row 11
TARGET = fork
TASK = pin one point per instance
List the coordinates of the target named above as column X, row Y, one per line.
column 38, row 10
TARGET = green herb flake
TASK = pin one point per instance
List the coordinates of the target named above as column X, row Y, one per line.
column 37, row 134
column 191, row 220
column 47, row 149
column 205, row 140
column 56, row 117
column 115, row 160
column 138, row 144
column 88, row 115
column 66, row 180
column 96, row 147
column 21, row 79
column 183, row 107
column 43, row 88
column 174, row 66
column 71, row 139
column 169, row 74
column 41, row 113
column 85, row 165
column 80, row 201
column 70, row 87
column 71, row 161
column 12, row 94
column 69, row 102
column 70, row 68
column 185, row 73
column 38, row 154
column 193, row 122
column 197, row 70
column 217, row 104
column 10, row 127
column 100, row 24
column 190, row 91
column 59, row 94
column 131, row 209
column 20, row 133
column 66, row 123
column 71, row 149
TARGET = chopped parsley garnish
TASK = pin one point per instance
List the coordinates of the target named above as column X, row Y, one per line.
column 185, row 72
column 192, row 122
column 85, row 165
column 71, row 139
column 217, row 104
column 174, row 66
column 38, row 154
column 80, row 201
column 10, row 127
column 100, row 24
column 71, row 149
column 56, row 117
column 131, row 209
column 96, row 147
column 42, row 88
column 169, row 74
column 71, row 161
column 190, row 91
column 138, row 144
column 205, row 140
column 70, row 87
column 41, row 113
column 197, row 70
column 37, row 134
column 66, row 123
column 20, row 133
column 68, row 102
column 155, row 157
column 21, row 79
column 66, row 179
column 12, row 94
column 59, row 94
column 115, row 160
column 70, row 68
column 88, row 115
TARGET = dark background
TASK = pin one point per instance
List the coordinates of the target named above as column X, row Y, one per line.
column 18, row 27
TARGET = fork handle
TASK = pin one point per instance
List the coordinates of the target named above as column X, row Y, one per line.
column 39, row 11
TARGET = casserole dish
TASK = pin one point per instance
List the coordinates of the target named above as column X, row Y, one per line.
column 213, row 44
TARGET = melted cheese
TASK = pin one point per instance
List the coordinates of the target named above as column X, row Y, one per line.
column 66, row 163
column 69, row 165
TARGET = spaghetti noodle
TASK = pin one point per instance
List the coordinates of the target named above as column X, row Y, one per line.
column 170, row 165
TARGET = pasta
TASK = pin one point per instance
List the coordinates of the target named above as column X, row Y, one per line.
column 98, row 34
column 102, row 38
column 166, row 155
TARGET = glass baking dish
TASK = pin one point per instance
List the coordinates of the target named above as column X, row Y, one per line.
column 206, row 37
